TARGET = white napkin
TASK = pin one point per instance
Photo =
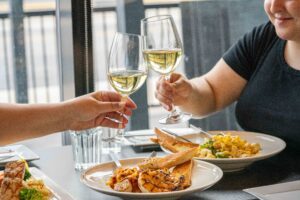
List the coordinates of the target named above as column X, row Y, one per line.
column 288, row 191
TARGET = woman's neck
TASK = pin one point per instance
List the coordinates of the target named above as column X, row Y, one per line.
column 292, row 54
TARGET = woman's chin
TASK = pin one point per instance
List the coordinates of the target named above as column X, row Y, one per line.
column 284, row 35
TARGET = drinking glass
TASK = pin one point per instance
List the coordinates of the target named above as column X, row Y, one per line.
column 126, row 68
column 162, row 52
column 87, row 147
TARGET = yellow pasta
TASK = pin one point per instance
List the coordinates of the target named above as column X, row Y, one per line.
column 227, row 146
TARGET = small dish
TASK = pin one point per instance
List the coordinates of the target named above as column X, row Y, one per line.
column 15, row 152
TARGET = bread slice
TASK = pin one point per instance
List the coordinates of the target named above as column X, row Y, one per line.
column 169, row 160
column 172, row 143
column 185, row 170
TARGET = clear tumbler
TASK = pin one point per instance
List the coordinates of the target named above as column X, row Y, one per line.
column 87, row 147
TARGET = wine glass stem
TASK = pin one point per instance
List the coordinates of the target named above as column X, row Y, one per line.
column 174, row 111
column 120, row 132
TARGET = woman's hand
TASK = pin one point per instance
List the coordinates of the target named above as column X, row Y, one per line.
column 101, row 108
column 173, row 92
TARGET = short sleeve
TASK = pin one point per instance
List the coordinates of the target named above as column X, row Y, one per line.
column 243, row 57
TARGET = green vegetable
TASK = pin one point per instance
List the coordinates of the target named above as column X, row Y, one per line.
column 208, row 145
column 221, row 155
column 30, row 194
column 27, row 174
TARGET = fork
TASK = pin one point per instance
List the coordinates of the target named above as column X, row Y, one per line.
column 114, row 157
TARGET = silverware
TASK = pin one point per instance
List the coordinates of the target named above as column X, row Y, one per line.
column 5, row 151
column 153, row 154
column 2, row 158
column 205, row 132
column 138, row 135
column 115, row 159
column 175, row 134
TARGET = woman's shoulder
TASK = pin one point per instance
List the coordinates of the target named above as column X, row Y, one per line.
column 263, row 34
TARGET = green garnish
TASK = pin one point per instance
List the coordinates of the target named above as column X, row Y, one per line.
column 27, row 174
column 221, row 155
column 30, row 194
column 209, row 145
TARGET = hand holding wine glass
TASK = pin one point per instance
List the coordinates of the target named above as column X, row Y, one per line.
column 126, row 67
column 162, row 52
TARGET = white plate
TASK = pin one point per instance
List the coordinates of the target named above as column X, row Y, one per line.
column 57, row 191
column 270, row 146
column 288, row 190
column 18, row 151
column 204, row 175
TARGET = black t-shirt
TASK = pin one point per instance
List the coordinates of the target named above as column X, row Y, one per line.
column 270, row 101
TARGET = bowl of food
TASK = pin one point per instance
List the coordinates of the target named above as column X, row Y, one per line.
column 231, row 150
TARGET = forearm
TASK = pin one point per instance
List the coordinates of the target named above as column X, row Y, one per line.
column 201, row 102
column 23, row 121
column 215, row 90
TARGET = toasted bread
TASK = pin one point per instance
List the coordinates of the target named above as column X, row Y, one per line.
column 184, row 169
column 169, row 160
column 171, row 143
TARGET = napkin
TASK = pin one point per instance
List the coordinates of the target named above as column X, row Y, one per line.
column 288, row 190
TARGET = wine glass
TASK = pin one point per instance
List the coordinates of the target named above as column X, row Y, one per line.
column 126, row 70
column 162, row 52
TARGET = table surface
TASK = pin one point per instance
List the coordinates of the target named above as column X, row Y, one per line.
column 57, row 163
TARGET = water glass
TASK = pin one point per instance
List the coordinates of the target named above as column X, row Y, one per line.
column 110, row 141
column 87, row 147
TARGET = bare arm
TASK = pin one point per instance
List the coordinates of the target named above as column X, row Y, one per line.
column 24, row 121
column 203, row 95
column 21, row 121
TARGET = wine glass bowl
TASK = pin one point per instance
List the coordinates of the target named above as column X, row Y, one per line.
column 163, row 61
column 126, row 70
column 163, row 52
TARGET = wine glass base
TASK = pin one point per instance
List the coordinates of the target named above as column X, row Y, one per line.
column 170, row 120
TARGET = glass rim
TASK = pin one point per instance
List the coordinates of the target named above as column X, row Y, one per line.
column 156, row 18
column 129, row 34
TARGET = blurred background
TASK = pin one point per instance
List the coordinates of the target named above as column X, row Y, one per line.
column 55, row 50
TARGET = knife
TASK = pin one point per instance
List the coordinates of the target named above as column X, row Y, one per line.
column 175, row 134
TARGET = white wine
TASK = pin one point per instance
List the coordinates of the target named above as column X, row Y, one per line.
column 162, row 61
column 127, row 81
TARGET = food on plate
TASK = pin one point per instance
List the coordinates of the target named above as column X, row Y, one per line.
column 169, row 160
column 165, row 174
column 219, row 146
column 125, row 180
column 184, row 169
column 227, row 146
column 1, row 177
column 159, row 180
column 18, row 184
column 169, row 142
